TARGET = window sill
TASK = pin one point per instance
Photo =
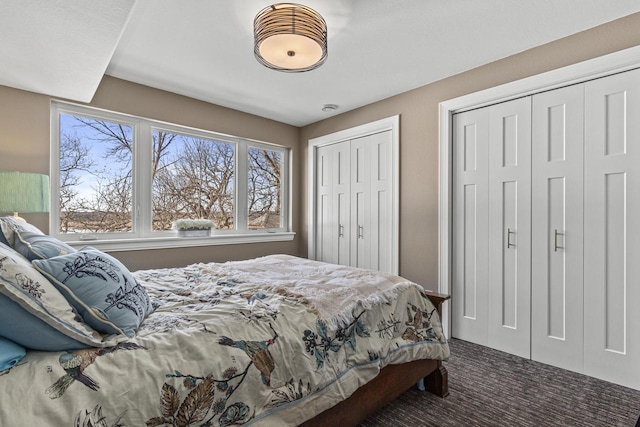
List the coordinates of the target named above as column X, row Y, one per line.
column 139, row 244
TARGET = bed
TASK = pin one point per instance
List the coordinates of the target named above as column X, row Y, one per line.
column 274, row 341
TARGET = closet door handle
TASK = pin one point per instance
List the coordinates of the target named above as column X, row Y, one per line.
column 360, row 232
column 340, row 230
column 555, row 240
column 509, row 233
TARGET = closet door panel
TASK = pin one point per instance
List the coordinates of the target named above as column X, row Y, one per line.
column 556, row 286
column 510, row 227
column 333, row 199
column 327, row 226
column 360, row 203
column 381, row 200
column 470, row 226
column 612, row 228
column 341, row 192
column 506, row 293
column 557, row 228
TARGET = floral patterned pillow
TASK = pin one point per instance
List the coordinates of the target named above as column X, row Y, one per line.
column 33, row 313
column 103, row 291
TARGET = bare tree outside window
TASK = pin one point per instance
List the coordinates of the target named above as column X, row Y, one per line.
column 194, row 179
column 264, row 188
column 95, row 175
column 190, row 176
column 74, row 159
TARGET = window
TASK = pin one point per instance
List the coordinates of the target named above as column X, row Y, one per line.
column 95, row 168
column 192, row 176
column 122, row 178
column 264, row 188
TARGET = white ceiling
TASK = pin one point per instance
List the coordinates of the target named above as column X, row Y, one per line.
column 59, row 47
column 204, row 48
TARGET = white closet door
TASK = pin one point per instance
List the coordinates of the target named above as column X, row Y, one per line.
column 333, row 198
column 470, row 226
column 354, row 202
column 360, row 202
column 381, row 200
column 510, row 227
column 341, row 196
column 367, row 191
column 327, row 224
column 557, row 228
column 612, row 229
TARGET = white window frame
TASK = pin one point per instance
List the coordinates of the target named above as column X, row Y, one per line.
column 142, row 236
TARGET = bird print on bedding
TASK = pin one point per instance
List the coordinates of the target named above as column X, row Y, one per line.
column 419, row 326
column 240, row 343
column 258, row 352
column 210, row 396
column 76, row 362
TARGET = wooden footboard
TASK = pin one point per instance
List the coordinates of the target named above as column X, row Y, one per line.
column 391, row 382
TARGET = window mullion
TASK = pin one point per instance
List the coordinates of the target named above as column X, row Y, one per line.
column 285, row 191
column 54, row 173
column 143, row 150
column 241, row 188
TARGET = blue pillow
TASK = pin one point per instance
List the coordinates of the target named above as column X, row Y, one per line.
column 31, row 332
column 10, row 354
column 33, row 313
column 103, row 291
column 9, row 226
column 39, row 246
column 6, row 230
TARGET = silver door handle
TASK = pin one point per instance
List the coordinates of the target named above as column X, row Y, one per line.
column 360, row 232
column 509, row 233
column 340, row 230
column 555, row 240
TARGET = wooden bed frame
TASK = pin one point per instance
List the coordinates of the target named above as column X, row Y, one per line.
column 391, row 382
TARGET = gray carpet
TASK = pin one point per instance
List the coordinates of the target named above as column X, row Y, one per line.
column 491, row 388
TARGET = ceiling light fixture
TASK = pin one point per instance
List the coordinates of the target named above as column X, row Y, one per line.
column 290, row 37
column 329, row 107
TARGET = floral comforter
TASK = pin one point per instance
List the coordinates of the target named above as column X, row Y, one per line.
column 271, row 341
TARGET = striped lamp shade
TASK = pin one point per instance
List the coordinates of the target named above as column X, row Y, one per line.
column 24, row 192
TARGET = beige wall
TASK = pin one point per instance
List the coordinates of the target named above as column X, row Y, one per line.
column 24, row 146
column 419, row 144
column 24, row 142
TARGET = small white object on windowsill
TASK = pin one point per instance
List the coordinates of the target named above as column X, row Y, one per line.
column 193, row 227
column 202, row 232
